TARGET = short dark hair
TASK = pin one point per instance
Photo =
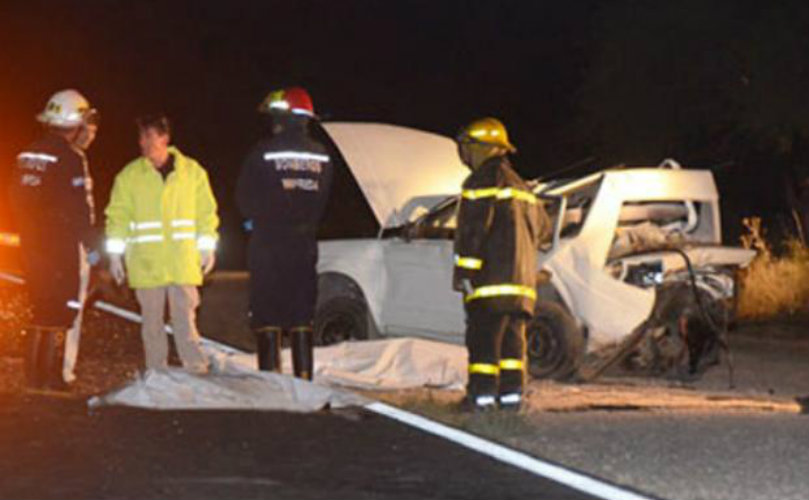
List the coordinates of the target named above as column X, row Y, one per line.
column 157, row 121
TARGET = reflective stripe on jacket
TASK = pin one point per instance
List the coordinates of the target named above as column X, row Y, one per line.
column 51, row 199
column 162, row 225
column 496, row 238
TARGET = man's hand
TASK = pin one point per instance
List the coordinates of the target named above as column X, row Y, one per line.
column 93, row 258
column 207, row 261
column 462, row 280
column 463, row 285
column 117, row 269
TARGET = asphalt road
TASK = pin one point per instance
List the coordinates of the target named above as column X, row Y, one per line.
column 51, row 448
column 684, row 456
column 685, row 450
column 701, row 454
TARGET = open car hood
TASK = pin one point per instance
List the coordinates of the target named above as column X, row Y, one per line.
column 395, row 165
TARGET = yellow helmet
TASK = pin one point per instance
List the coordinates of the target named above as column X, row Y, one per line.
column 486, row 131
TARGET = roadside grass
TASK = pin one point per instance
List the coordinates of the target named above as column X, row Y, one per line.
column 773, row 286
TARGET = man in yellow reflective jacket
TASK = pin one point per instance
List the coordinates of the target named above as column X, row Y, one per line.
column 162, row 221
column 499, row 225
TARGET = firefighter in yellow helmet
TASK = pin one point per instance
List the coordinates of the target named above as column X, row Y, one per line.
column 499, row 224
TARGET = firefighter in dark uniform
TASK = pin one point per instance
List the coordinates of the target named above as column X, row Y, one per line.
column 282, row 189
column 498, row 227
column 52, row 200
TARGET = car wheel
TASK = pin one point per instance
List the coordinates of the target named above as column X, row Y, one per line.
column 340, row 319
column 554, row 342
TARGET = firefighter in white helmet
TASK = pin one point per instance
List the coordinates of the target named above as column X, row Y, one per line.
column 52, row 201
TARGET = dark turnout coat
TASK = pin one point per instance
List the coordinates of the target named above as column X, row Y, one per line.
column 283, row 188
column 499, row 225
column 52, row 201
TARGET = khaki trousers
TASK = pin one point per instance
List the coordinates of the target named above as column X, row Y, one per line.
column 183, row 301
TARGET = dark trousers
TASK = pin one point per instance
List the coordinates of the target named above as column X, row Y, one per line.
column 283, row 278
column 44, row 355
column 496, row 344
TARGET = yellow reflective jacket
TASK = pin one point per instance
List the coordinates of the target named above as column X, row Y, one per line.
column 160, row 225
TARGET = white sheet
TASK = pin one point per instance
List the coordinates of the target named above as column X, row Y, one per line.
column 235, row 383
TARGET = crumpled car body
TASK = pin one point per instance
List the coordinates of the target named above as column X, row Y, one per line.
column 619, row 237
column 613, row 223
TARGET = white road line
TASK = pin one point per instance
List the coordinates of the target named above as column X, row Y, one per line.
column 131, row 316
column 136, row 318
column 518, row 459
column 499, row 452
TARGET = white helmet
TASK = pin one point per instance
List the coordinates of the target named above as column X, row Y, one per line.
column 66, row 108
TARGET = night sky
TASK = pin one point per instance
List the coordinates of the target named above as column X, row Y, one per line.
column 721, row 84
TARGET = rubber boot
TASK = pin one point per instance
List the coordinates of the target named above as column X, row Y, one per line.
column 33, row 373
column 477, row 404
column 510, row 402
column 43, row 359
column 480, row 393
column 268, row 349
column 303, row 358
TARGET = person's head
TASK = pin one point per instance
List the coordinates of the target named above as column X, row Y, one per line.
column 483, row 139
column 290, row 109
column 154, row 136
column 68, row 113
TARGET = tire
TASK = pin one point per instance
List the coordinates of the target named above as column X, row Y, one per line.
column 554, row 342
column 340, row 319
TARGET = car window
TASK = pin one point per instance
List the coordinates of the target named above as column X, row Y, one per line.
column 577, row 208
column 437, row 225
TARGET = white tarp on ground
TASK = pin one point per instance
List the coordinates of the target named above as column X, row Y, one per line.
column 392, row 364
column 397, row 363
column 236, row 384
column 175, row 389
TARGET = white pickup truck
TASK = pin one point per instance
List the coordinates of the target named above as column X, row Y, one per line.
column 635, row 270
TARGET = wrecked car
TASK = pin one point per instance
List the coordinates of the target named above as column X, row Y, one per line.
column 635, row 270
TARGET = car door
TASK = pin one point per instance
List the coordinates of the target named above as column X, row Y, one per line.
column 419, row 297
